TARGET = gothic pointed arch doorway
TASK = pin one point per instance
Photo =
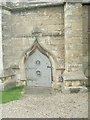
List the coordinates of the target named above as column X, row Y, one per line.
column 47, row 69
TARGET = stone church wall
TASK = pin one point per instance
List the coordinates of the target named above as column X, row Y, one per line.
column 49, row 22
column 61, row 30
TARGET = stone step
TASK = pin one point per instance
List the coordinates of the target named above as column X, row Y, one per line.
column 37, row 90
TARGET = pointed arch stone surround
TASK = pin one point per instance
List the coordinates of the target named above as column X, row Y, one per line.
column 29, row 52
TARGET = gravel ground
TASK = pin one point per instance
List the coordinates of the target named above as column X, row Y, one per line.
column 48, row 106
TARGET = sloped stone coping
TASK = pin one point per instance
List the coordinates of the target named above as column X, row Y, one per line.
column 25, row 5
column 74, row 75
column 31, row 4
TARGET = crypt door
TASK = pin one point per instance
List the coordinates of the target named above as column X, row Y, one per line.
column 38, row 70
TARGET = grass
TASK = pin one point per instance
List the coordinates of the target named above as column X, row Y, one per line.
column 11, row 94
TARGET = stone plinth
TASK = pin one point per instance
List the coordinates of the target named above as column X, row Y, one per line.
column 74, row 81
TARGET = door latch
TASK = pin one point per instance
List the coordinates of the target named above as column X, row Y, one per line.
column 49, row 66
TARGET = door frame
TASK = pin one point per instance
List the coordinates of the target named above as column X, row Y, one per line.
column 44, row 51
